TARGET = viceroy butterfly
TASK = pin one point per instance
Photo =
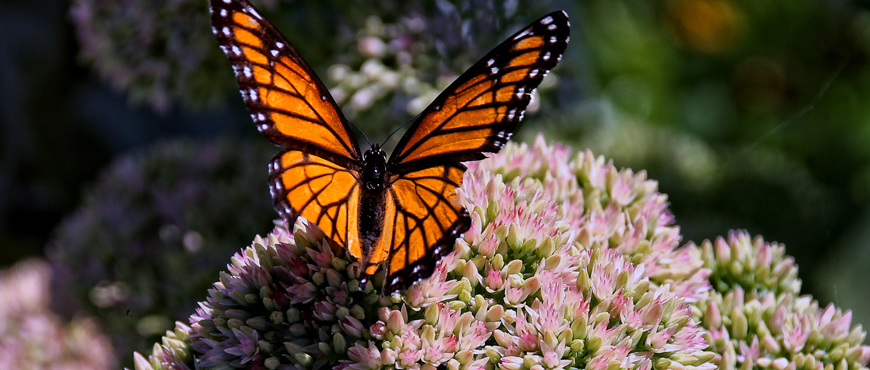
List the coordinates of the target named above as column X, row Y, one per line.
column 401, row 211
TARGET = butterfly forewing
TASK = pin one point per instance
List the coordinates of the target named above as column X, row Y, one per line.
column 289, row 104
column 477, row 114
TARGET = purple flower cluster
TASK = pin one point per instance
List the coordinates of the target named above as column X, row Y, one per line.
column 34, row 337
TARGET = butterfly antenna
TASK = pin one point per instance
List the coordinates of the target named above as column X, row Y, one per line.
column 399, row 128
column 361, row 132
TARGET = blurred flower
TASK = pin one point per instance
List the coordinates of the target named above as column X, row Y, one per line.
column 710, row 26
column 158, row 52
column 399, row 46
column 170, row 214
column 397, row 59
column 33, row 337
column 549, row 276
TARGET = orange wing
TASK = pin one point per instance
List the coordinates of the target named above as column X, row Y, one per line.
column 423, row 218
column 319, row 190
column 317, row 175
column 477, row 114
column 290, row 105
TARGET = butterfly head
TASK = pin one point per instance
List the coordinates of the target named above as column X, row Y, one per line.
column 375, row 168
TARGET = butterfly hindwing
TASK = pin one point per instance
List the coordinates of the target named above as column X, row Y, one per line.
column 477, row 114
column 289, row 104
column 325, row 193
column 422, row 221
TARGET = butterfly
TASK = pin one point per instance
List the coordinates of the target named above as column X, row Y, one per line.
column 401, row 212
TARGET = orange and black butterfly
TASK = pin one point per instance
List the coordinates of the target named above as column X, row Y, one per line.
column 402, row 211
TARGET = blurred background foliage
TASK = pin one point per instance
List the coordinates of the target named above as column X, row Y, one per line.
column 751, row 114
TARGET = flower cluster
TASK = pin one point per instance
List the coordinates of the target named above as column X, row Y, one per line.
column 396, row 59
column 33, row 337
column 159, row 52
column 555, row 272
column 392, row 64
column 756, row 320
column 154, row 219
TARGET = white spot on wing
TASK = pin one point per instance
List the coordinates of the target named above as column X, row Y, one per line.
column 223, row 12
column 261, row 117
column 533, row 73
column 274, row 53
column 522, row 34
column 494, row 70
column 546, row 56
column 227, row 1
column 553, row 39
column 551, row 27
column 254, row 13
column 226, row 31
column 236, row 50
column 253, row 94
column 547, row 20
column 279, row 44
column 490, row 62
column 247, row 71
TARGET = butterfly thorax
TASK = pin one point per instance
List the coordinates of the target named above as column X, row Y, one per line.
column 373, row 198
column 374, row 169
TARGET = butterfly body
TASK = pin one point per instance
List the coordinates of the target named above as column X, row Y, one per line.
column 373, row 199
column 401, row 212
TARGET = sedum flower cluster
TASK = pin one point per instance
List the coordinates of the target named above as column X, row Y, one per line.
column 33, row 337
column 569, row 263
column 154, row 219
column 756, row 318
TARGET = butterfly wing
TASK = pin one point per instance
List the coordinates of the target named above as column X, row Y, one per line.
column 477, row 114
column 316, row 175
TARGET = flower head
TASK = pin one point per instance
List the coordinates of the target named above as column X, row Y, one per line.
column 756, row 318
column 34, row 337
column 567, row 264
